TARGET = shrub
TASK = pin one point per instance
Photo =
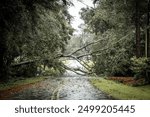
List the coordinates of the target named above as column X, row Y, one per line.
column 139, row 66
column 113, row 66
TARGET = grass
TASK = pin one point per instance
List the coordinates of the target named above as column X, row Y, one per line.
column 13, row 83
column 121, row 91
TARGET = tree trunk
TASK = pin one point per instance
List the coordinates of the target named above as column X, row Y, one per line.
column 137, row 25
column 147, row 41
column 3, row 66
column 3, row 48
column 148, row 32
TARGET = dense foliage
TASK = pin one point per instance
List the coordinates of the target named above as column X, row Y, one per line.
column 139, row 66
column 32, row 32
column 121, row 24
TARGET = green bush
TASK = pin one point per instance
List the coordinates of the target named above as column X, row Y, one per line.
column 139, row 66
column 122, row 68
column 112, row 66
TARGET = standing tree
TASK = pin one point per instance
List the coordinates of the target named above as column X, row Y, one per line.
column 115, row 22
column 32, row 30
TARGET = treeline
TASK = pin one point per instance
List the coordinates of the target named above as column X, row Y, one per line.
column 32, row 34
column 123, row 26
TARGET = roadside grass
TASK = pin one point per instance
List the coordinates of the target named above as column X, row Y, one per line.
column 121, row 91
column 14, row 83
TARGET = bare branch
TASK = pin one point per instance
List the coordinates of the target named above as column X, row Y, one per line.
column 86, row 46
column 23, row 63
column 92, row 53
column 80, row 63
column 76, row 70
column 84, row 4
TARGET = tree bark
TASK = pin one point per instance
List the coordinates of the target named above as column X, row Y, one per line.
column 137, row 25
column 3, row 49
column 147, row 41
column 148, row 32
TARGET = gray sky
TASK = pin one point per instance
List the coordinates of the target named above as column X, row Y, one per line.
column 74, row 11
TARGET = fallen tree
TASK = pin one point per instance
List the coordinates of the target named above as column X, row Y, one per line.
column 87, row 68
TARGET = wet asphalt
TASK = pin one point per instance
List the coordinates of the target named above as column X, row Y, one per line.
column 62, row 88
column 68, row 87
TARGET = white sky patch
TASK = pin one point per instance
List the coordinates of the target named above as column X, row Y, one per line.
column 74, row 11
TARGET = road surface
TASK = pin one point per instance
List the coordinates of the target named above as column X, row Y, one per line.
column 68, row 87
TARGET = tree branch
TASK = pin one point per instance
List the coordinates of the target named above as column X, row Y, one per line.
column 76, row 70
column 86, row 46
column 80, row 56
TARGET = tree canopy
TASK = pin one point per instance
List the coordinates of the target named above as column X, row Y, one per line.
column 122, row 27
column 35, row 34
column 32, row 30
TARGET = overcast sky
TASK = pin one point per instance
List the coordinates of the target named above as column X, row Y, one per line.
column 74, row 11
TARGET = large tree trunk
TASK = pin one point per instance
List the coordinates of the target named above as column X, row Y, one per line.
column 147, row 41
column 147, row 52
column 137, row 25
column 3, row 66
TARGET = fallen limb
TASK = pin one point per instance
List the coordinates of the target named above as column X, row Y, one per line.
column 77, row 70
column 95, row 42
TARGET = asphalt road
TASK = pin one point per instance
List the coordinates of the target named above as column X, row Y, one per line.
column 69, row 87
